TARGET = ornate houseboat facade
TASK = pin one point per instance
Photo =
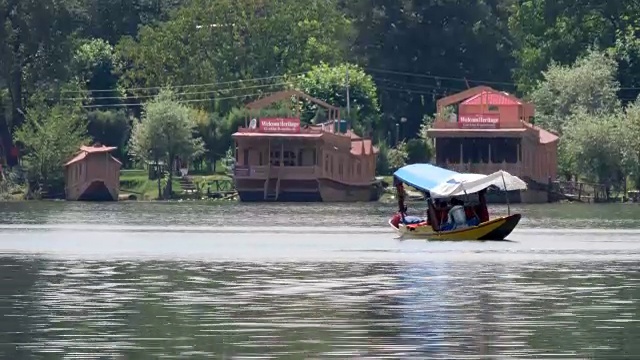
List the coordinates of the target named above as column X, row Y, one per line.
column 491, row 131
column 278, row 159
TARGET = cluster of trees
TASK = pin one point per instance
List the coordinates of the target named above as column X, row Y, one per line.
column 86, row 69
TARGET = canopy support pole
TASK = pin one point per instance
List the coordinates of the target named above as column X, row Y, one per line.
column 506, row 194
column 466, row 196
column 401, row 207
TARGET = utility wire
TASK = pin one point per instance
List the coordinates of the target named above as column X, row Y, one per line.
column 179, row 94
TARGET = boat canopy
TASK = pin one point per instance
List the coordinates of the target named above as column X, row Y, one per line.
column 443, row 183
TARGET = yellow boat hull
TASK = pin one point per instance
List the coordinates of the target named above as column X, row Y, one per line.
column 496, row 229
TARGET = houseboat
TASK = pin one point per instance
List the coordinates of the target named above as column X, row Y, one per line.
column 279, row 159
column 491, row 130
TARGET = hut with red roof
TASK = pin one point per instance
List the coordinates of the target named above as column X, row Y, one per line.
column 93, row 175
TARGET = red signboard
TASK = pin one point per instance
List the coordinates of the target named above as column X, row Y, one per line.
column 280, row 125
column 479, row 121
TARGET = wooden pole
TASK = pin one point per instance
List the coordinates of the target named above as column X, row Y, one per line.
column 506, row 194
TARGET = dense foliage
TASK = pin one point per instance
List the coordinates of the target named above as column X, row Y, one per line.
column 578, row 60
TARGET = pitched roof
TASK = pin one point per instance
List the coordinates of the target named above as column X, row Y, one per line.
column 492, row 98
column 545, row 135
column 86, row 150
column 97, row 149
column 362, row 147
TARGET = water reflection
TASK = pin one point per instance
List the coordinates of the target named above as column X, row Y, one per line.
column 316, row 310
column 242, row 215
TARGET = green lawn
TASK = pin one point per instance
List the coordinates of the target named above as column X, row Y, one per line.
column 137, row 182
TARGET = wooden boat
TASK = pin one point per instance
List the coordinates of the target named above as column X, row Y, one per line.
column 440, row 184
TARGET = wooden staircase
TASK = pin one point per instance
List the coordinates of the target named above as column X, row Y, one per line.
column 187, row 185
column 271, row 187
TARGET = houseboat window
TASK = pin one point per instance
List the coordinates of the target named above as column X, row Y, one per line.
column 260, row 159
column 448, row 150
column 289, row 158
column 326, row 163
column 245, row 161
column 300, row 152
column 493, row 108
column 315, row 159
column 475, row 150
column 504, row 150
column 274, row 158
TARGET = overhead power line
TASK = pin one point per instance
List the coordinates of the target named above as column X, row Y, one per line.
column 185, row 86
column 179, row 94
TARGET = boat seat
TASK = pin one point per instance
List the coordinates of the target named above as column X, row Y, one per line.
column 411, row 219
column 474, row 221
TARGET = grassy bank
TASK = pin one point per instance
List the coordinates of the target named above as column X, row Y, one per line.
column 136, row 182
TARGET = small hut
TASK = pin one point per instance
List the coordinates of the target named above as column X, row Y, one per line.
column 93, row 175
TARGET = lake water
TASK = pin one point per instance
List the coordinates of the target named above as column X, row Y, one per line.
column 312, row 281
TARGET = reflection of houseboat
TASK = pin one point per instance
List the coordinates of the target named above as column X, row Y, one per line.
column 493, row 131
column 93, row 175
column 277, row 159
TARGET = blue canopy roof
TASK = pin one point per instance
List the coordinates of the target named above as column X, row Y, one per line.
column 423, row 176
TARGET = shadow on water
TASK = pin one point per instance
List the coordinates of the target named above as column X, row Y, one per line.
column 326, row 310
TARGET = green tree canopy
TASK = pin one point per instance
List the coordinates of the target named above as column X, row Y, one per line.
column 329, row 83
column 166, row 131
column 223, row 42
column 50, row 135
column 588, row 85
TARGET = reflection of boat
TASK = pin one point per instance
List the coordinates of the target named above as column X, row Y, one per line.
column 440, row 184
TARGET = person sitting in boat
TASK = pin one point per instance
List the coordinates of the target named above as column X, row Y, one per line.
column 457, row 218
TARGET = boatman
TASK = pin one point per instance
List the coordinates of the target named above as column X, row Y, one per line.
column 457, row 217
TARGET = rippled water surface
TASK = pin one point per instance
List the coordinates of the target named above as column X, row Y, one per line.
column 186, row 280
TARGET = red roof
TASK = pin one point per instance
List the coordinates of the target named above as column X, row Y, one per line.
column 492, row 98
column 362, row 146
column 86, row 150
column 545, row 135
column 352, row 134
column 76, row 158
column 97, row 149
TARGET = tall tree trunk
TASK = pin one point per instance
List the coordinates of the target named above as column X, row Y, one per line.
column 157, row 172
column 17, row 118
column 172, row 162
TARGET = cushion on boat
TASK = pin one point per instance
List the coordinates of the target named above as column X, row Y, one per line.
column 412, row 220
column 474, row 221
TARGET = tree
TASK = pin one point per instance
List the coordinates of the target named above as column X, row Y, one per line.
column 630, row 133
column 595, row 144
column 419, row 51
column 563, row 30
column 94, row 64
column 329, row 83
column 229, row 44
column 397, row 156
column 34, row 48
column 586, row 90
column 589, row 85
column 50, row 135
column 110, row 128
column 166, row 131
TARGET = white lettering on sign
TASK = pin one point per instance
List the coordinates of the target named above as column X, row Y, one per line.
column 479, row 121
column 280, row 125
